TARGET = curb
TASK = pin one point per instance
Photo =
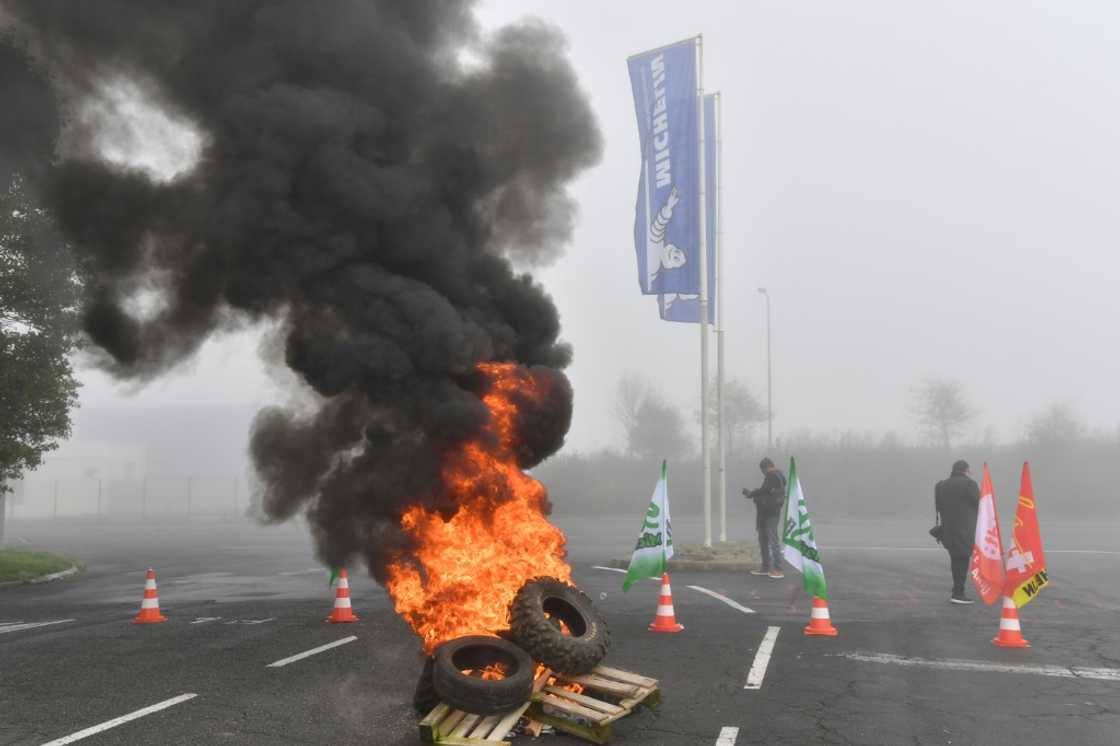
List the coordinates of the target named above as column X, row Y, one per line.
column 49, row 578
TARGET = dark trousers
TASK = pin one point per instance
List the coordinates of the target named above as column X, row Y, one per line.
column 768, row 541
column 960, row 573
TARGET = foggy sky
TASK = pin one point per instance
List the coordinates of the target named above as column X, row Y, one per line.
column 925, row 189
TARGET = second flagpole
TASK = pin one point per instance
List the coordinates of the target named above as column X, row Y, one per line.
column 704, row 444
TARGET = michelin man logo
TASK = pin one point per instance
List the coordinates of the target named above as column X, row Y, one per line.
column 660, row 255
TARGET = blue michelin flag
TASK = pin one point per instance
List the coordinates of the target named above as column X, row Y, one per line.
column 666, row 227
column 686, row 306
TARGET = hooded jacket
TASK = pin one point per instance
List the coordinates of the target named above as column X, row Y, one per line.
column 957, row 500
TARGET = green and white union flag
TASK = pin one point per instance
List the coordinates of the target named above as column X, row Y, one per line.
column 655, row 542
column 799, row 546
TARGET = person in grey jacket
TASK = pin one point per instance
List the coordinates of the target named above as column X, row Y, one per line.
column 768, row 501
column 957, row 500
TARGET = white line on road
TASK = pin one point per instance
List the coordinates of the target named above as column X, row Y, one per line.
column 615, row 569
column 1101, row 674
column 311, row 652
column 251, row 621
column 720, row 597
column 829, row 548
column 31, row 625
column 762, row 658
column 883, row 549
column 121, row 720
column 728, row 735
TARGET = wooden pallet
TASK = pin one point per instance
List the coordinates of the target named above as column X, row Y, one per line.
column 446, row 725
column 616, row 692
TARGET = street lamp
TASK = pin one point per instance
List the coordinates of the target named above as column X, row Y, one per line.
column 769, row 377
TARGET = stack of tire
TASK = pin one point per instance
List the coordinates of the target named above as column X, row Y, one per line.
column 551, row 622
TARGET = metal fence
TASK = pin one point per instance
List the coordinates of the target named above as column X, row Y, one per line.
column 149, row 498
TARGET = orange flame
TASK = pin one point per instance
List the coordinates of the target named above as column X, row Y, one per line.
column 467, row 568
column 493, row 672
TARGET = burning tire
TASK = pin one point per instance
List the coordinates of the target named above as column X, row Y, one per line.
column 461, row 665
column 426, row 697
column 558, row 625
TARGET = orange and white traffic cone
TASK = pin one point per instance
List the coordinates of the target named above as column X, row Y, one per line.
column 1010, row 635
column 342, row 611
column 666, row 619
column 820, row 623
column 149, row 606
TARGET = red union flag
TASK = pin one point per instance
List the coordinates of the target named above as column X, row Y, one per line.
column 1026, row 564
column 986, row 566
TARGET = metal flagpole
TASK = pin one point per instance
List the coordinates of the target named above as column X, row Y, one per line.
column 707, row 456
column 721, row 424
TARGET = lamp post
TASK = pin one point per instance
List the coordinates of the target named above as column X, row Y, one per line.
column 769, row 377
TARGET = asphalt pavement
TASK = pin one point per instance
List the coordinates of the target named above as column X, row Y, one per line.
column 906, row 668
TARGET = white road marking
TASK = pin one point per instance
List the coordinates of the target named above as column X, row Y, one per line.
column 883, row 549
column 950, row 664
column 16, row 627
column 308, row 571
column 121, row 720
column 728, row 735
column 311, row 652
column 720, row 597
column 828, row 548
column 51, row 577
column 762, row 658
column 250, row 621
column 615, row 569
column 205, row 619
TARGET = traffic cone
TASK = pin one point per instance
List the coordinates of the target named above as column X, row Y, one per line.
column 341, row 611
column 820, row 623
column 149, row 606
column 666, row 619
column 1010, row 634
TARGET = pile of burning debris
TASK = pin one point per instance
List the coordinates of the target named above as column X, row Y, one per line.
column 553, row 626
column 485, row 585
column 540, row 672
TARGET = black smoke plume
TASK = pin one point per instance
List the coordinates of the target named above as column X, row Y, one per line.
column 358, row 181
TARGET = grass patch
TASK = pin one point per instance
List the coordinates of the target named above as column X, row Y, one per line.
column 20, row 565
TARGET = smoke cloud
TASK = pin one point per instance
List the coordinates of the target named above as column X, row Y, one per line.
column 353, row 179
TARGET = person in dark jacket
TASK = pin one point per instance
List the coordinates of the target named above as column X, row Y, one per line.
column 768, row 501
column 957, row 500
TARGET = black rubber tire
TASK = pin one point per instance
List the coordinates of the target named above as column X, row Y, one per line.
column 425, row 698
column 476, row 695
column 532, row 613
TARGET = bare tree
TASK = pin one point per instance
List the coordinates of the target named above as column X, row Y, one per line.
column 943, row 410
column 1055, row 427
column 659, row 431
column 631, row 392
column 654, row 427
column 741, row 412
